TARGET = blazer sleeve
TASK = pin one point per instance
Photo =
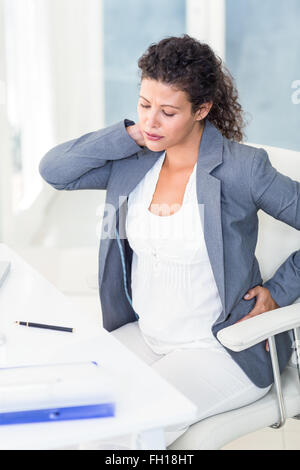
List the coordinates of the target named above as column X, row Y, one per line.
column 86, row 162
column 279, row 196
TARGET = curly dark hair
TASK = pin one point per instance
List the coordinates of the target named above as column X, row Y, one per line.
column 191, row 66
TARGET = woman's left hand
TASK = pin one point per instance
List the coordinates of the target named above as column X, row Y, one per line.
column 264, row 303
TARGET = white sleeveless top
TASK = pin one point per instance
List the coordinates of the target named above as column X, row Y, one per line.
column 173, row 287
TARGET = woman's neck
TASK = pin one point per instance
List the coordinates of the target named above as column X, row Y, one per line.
column 184, row 156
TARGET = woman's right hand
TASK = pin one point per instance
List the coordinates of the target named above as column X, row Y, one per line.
column 136, row 134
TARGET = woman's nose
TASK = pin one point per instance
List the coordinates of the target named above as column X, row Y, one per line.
column 152, row 120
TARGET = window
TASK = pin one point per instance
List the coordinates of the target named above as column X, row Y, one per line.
column 262, row 53
column 147, row 22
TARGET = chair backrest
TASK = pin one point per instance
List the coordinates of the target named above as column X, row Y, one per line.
column 277, row 240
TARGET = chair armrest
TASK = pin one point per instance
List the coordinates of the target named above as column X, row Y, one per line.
column 245, row 334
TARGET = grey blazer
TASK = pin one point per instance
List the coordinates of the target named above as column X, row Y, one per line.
column 233, row 180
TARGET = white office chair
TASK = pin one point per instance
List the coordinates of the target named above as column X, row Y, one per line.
column 276, row 241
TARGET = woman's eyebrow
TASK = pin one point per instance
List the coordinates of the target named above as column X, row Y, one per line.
column 170, row 105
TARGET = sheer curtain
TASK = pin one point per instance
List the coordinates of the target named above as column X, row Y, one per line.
column 4, row 136
column 54, row 85
column 29, row 95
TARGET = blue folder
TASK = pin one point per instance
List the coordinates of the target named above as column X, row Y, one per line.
column 55, row 392
column 102, row 410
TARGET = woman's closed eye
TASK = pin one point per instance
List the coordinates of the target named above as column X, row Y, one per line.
column 169, row 115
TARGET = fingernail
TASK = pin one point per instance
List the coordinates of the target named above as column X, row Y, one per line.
column 246, row 296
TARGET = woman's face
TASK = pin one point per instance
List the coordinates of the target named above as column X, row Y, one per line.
column 165, row 112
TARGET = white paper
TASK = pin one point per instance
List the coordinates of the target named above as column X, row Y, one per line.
column 53, row 385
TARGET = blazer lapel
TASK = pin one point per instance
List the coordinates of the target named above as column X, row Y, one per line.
column 208, row 193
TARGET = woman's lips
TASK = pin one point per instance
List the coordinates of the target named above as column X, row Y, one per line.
column 153, row 137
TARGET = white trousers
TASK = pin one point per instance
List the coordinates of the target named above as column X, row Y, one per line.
column 208, row 377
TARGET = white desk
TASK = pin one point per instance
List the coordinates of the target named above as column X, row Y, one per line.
column 147, row 402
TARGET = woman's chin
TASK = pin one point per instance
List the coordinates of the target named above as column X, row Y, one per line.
column 154, row 146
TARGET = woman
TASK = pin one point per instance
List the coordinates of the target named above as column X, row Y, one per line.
column 178, row 241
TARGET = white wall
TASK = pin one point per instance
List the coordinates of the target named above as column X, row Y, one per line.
column 205, row 20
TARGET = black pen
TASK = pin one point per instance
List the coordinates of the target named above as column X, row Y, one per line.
column 47, row 327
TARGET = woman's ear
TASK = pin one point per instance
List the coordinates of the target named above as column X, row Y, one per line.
column 203, row 111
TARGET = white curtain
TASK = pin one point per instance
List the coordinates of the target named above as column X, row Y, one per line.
column 54, row 83
column 29, row 94
column 76, row 33
column 4, row 137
